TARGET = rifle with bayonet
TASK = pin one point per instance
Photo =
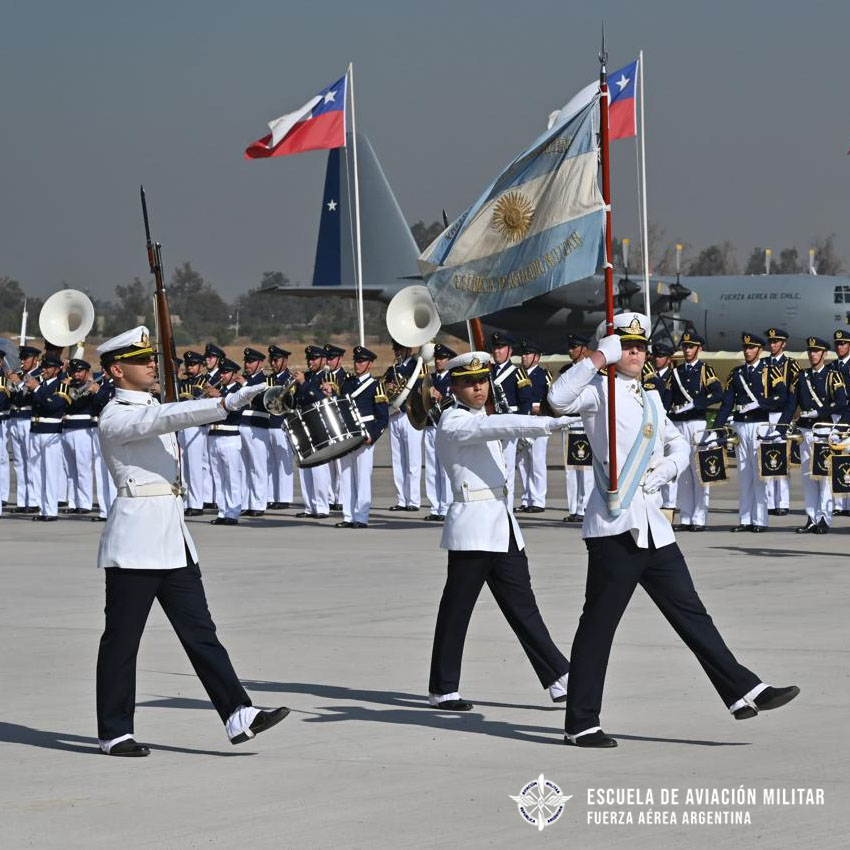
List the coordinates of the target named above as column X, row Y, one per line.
column 166, row 352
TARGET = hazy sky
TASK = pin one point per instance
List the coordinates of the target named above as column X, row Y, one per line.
column 748, row 122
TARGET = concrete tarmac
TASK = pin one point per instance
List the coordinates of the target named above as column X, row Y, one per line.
column 338, row 624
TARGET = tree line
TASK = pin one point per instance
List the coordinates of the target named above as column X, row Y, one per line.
column 202, row 314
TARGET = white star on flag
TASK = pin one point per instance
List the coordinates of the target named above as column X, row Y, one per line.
column 330, row 97
column 622, row 82
column 332, row 206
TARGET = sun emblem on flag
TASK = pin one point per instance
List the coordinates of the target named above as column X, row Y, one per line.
column 512, row 216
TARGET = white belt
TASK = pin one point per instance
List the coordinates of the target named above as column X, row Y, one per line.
column 79, row 416
column 157, row 488
column 23, row 407
column 513, row 408
column 261, row 413
column 486, row 494
column 47, row 420
column 232, row 429
column 367, row 418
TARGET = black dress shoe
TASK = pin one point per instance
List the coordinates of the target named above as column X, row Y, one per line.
column 758, row 529
column 697, row 528
column 767, row 700
column 224, row 520
column 808, row 528
column 781, row 512
column 572, row 518
column 344, row 524
column 821, row 527
column 193, row 512
column 335, row 506
column 282, row 506
column 433, row 518
column 243, row 513
column 520, row 509
column 264, row 720
column 43, row 518
column 595, row 739
column 738, row 528
column 682, row 526
column 129, row 749
column 210, row 506
column 397, row 508
column 773, row 511
column 320, row 516
column 412, row 508
column 359, row 525
column 256, row 513
column 534, row 509
column 303, row 514
column 453, row 705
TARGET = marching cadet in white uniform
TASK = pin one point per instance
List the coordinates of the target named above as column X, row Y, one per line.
column 356, row 475
column 532, row 460
column 147, row 553
column 753, row 391
column 692, row 387
column 20, row 421
column 336, row 374
column 438, row 488
column 5, row 407
column 281, row 464
column 778, row 490
column 254, row 429
column 193, row 440
column 579, row 479
column 630, row 541
column 841, row 343
column 225, row 449
column 78, row 427
column 484, row 540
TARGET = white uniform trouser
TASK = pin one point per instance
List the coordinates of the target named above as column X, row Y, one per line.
column 334, row 469
column 841, row 501
column 315, row 487
column 103, row 483
column 692, row 493
column 752, row 507
column 19, row 432
column 78, row 448
column 509, row 454
column 438, row 486
column 777, row 490
column 4, row 462
column 579, row 488
column 355, row 484
column 193, row 443
column 817, row 492
column 226, row 463
column 532, row 473
column 208, row 486
column 406, row 449
column 281, row 467
column 47, row 463
column 255, row 455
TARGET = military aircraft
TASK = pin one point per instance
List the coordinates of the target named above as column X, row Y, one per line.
column 719, row 307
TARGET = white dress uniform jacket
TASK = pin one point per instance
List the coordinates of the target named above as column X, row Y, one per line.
column 140, row 448
column 468, row 447
column 582, row 390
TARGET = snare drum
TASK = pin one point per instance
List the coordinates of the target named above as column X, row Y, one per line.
column 324, row 431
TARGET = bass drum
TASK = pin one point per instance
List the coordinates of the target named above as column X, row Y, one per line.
column 325, row 431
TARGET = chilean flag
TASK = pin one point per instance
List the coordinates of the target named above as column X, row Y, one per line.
column 622, row 85
column 318, row 125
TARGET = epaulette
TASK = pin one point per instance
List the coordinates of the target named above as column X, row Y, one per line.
column 647, row 370
column 64, row 392
column 777, row 375
column 523, row 380
column 270, row 382
column 708, row 374
column 650, row 385
column 835, row 379
column 381, row 395
column 549, row 377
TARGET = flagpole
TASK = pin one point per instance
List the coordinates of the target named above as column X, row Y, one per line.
column 358, row 266
column 609, row 269
column 645, row 234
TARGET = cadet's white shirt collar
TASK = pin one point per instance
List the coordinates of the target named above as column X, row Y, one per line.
column 133, row 396
column 365, row 376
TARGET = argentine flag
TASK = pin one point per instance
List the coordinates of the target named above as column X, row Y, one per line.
column 538, row 226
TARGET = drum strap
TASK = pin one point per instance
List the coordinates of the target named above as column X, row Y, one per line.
column 815, row 397
column 365, row 385
column 506, row 374
column 689, row 399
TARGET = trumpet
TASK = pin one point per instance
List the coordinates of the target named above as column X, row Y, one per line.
column 279, row 400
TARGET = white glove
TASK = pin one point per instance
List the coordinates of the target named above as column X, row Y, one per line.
column 684, row 408
column 772, row 434
column 659, row 474
column 747, row 408
column 242, row 398
column 808, row 414
column 560, row 423
column 611, row 348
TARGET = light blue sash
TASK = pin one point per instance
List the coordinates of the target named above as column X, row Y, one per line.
column 633, row 469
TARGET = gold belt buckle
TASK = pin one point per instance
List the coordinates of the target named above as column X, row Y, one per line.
column 175, row 489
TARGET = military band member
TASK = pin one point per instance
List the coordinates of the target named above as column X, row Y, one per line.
column 482, row 536
column 5, row 408
column 213, row 357
column 104, row 485
column 778, row 489
column 225, row 448
column 50, row 399
column 315, row 480
column 841, row 343
column 662, row 359
column 254, row 429
column 438, row 488
column 532, row 461
column 193, row 439
column 511, row 394
column 20, row 420
column 632, row 543
column 821, row 395
column 692, row 387
column 147, row 553
column 367, row 393
column 754, row 389
column 405, row 440
column 579, row 479
column 78, row 427
column 336, row 375
column 281, row 464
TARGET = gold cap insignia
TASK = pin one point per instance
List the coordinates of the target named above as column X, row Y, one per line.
column 473, row 364
column 812, row 342
column 635, row 327
column 145, row 341
column 839, row 334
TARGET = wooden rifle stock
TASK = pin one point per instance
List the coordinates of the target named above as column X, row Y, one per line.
column 166, row 352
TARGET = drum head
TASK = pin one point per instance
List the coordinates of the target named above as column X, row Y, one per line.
column 334, row 430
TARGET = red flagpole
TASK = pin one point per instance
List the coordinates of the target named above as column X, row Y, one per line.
column 609, row 252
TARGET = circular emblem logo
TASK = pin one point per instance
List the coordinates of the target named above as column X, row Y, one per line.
column 512, row 216
column 540, row 802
